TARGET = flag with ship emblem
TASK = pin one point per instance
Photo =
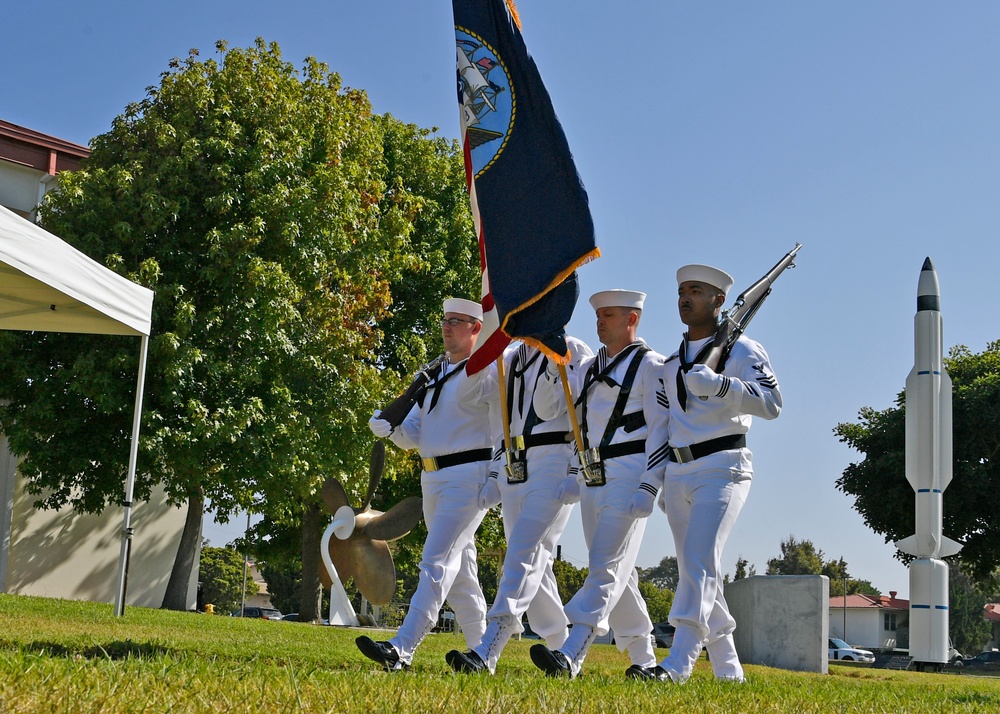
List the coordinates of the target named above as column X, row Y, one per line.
column 530, row 208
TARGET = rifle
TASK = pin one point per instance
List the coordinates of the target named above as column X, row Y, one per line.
column 399, row 407
column 734, row 320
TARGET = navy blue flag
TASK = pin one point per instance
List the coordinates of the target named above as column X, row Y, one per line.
column 530, row 207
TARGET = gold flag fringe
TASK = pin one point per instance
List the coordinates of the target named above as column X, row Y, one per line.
column 557, row 358
column 513, row 13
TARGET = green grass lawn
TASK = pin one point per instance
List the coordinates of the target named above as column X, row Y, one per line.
column 63, row 656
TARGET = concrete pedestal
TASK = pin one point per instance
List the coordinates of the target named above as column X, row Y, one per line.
column 782, row 620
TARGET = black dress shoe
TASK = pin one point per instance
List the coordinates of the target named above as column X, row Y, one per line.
column 469, row 662
column 552, row 662
column 382, row 652
column 654, row 674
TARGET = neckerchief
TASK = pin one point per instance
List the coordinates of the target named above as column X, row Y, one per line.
column 685, row 366
column 438, row 381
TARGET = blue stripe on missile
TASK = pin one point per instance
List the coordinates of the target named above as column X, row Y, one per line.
column 927, row 607
column 928, row 302
column 929, row 490
column 927, row 371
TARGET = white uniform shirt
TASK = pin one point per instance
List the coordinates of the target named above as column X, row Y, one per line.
column 451, row 424
column 484, row 386
column 647, row 396
column 751, row 390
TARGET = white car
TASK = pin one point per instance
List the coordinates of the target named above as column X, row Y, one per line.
column 840, row 650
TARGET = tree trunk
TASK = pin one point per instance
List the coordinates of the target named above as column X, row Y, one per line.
column 175, row 598
column 312, row 592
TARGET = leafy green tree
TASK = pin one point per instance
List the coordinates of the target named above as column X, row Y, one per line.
column 969, row 630
column 569, row 578
column 797, row 558
column 744, row 569
column 663, row 575
column 658, row 600
column 284, row 585
column 221, row 574
column 246, row 194
column 878, row 484
column 803, row 558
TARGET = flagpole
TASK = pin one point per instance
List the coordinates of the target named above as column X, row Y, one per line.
column 571, row 408
column 504, row 414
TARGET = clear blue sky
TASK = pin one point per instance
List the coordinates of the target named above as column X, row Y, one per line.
column 719, row 132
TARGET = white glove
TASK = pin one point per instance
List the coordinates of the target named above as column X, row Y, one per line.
column 380, row 427
column 489, row 493
column 642, row 502
column 568, row 491
column 552, row 370
column 703, row 382
column 642, row 505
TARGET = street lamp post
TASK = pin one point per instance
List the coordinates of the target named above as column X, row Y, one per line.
column 845, row 608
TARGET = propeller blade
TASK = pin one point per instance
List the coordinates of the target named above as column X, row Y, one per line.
column 376, row 575
column 376, row 466
column 368, row 562
column 334, row 495
column 396, row 522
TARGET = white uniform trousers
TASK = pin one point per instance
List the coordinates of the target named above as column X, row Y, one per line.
column 702, row 508
column 534, row 520
column 448, row 563
column 610, row 594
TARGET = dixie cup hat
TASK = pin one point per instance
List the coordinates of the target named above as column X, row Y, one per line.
column 617, row 298
column 464, row 307
column 705, row 274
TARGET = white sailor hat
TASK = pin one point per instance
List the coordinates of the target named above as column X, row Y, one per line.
column 705, row 274
column 464, row 307
column 617, row 298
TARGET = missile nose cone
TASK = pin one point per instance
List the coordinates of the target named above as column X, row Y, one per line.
column 928, row 292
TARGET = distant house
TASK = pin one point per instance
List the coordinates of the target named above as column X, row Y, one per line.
column 263, row 597
column 62, row 553
column 871, row 623
column 992, row 614
column 29, row 161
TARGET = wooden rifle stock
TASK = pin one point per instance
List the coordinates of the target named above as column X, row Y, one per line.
column 734, row 320
column 399, row 407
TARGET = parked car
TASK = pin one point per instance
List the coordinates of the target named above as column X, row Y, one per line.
column 984, row 662
column 839, row 650
column 294, row 617
column 261, row 613
column 663, row 634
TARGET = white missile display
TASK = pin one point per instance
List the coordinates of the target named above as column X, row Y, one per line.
column 928, row 424
column 928, row 470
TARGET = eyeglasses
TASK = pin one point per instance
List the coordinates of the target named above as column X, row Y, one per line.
column 455, row 321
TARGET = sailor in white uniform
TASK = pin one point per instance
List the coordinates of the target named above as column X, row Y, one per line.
column 623, row 418
column 536, row 498
column 709, row 470
column 455, row 444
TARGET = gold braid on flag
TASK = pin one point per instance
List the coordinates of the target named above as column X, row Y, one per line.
column 512, row 8
column 558, row 359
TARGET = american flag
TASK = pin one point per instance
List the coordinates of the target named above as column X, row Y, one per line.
column 529, row 205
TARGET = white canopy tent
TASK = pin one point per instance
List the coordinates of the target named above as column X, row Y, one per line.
column 47, row 285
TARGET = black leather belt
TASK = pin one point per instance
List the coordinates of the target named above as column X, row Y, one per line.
column 436, row 463
column 613, row 451
column 687, row 454
column 544, row 439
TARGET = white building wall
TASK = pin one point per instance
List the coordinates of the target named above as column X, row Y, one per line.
column 74, row 556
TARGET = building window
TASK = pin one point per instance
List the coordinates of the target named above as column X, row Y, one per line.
column 889, row 619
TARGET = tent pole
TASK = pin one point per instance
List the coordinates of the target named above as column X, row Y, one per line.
column 133, row 457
